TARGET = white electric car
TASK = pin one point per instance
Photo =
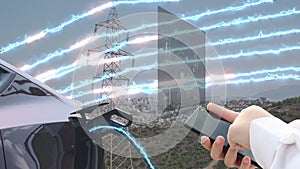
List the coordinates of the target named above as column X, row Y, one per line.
column 36, row 131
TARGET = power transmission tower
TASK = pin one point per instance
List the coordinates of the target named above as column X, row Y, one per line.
column 111, row 70
column 112, row 56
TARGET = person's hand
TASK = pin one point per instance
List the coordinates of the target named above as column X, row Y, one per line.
column 238, row 134
column 230, row 157
column 239, row 130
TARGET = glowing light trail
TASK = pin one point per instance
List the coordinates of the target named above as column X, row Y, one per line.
column 234, row 22
column 74, row 18
column 131, row 139
column 223, row 57
column 141, row 89
column 144, row 88
column 92, row 102
column 64, row 70
column 264, row 71
column 105, row 76
column 230, row 8
column 253, row 53
column 220, row 42
column 56, row 73
column 260, row 35
column 59, row 53
column 228, row 41
column 147, row 88
column 256, row 80
column 82, row 43
column 250, row 19
column 148, row 67
column 154, row 37
column 241, row 54
column 218, row 25
column 56, row 29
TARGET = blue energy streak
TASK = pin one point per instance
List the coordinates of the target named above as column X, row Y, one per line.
column 120, row 45
column 105, row 76
column 253, row 53
column 148, row 67
column 269, row 77
column 264, row 71
column 127, row 70
column 74, row 18
column 48, row 57
column 260, row 35
column 230, row 8
column 131, row 2
column 132, row 140
column 218, row 25
column 144, row 88
column 56, row 73
column 250, row 19
column 147, row 88
column 263, row 79
column 220, row 42
column 233, row 22
column 56, row 29
column 99, row 100
column 91, row 12
column 73, row 47
column 224, row 42
column 222, row 24
column 221, row 57
column 72, row 86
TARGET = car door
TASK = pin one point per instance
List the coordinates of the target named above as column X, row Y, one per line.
column 2, row 159
column 62, row 145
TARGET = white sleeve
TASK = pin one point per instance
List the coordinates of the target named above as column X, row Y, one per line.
column 275, row 144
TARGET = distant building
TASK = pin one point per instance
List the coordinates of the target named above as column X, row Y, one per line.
column 183, row 83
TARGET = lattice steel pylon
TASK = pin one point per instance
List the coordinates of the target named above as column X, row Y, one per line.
column 111, row 66
column 112, row 55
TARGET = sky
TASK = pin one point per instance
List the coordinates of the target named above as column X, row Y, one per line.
column 25, row 18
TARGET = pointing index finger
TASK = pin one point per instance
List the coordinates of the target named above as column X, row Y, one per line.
column 226, row 114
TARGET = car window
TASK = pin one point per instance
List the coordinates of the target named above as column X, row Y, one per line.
column 5, row 79
column 2, row 164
